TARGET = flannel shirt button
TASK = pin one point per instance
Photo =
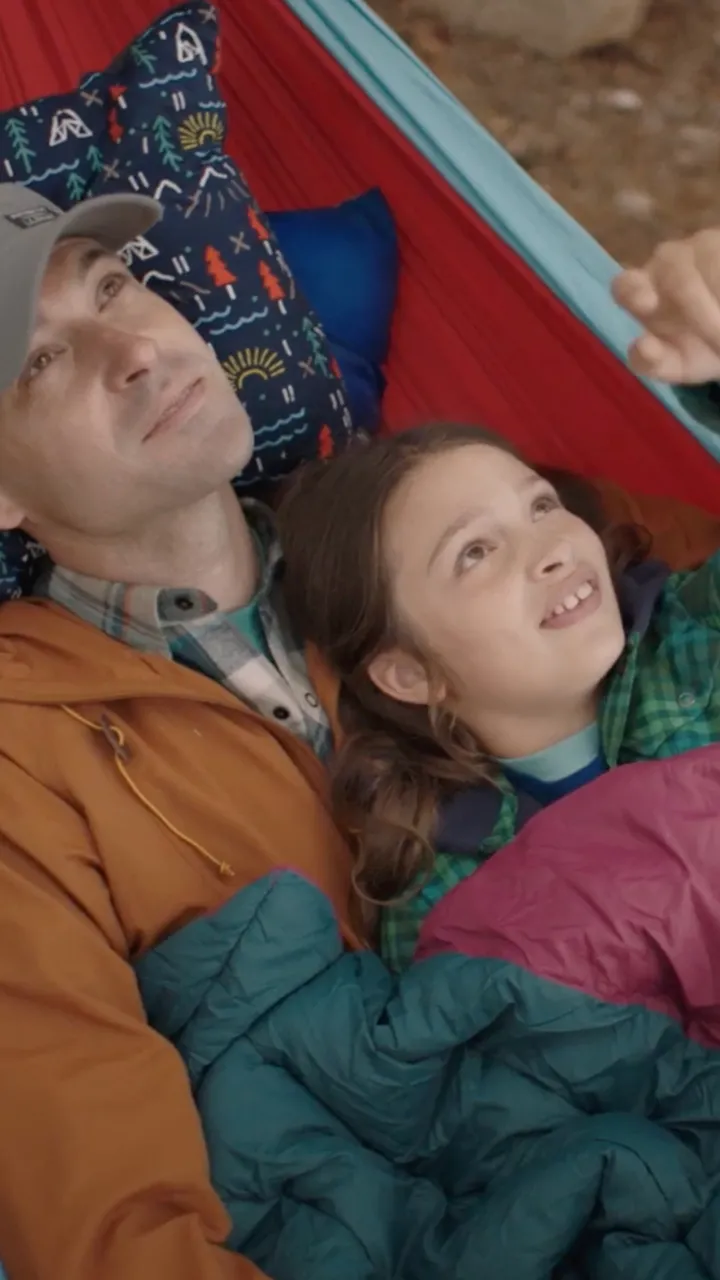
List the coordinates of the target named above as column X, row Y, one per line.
column 687, row 700
column 311, row 700
column 281, row 713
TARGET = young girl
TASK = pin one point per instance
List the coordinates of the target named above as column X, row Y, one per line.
column 494, row 652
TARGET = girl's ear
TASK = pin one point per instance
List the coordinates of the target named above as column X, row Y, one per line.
column 401, row 677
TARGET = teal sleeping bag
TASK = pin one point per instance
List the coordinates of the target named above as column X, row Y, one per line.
column 537, row 1098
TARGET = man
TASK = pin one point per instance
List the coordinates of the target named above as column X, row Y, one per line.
column 135, row 792
column 159, row 743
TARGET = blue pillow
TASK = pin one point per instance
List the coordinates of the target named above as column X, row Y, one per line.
column 345, row 260
column 364, row 385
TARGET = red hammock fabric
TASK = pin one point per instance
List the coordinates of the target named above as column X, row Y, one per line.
column 478, row 336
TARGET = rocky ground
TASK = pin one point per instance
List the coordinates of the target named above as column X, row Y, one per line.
column 627, row 137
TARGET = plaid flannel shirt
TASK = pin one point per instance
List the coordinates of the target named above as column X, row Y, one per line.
column 186, row 626
column 662, row 698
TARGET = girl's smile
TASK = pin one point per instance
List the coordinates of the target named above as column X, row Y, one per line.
column 573, row 601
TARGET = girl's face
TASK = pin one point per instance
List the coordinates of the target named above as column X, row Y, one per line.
column 508, row 591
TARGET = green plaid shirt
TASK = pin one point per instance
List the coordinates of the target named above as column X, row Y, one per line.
column 186, row 626
column 661, row 699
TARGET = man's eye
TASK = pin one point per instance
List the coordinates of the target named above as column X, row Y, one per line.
column 546, row 502
column 38, row 364
column 112, row 285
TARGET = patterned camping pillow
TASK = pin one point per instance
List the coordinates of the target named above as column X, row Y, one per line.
column 54, row 144
column 214, row 255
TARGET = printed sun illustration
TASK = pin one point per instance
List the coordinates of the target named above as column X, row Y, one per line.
column 253, row 362
column 200, row 129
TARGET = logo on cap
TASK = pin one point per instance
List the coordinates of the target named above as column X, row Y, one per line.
column 29, row 218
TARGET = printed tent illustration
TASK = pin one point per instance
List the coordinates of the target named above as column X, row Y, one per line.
column 504, row 315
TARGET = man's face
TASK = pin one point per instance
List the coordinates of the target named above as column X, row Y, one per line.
column 121, row 412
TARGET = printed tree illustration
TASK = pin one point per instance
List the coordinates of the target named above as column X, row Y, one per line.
column 75, row 187
column 115, row 129
column 271, row 284
column 326, row 444
column 257, row 224
column 94, row 159
column 142, row 58
column 217, row 269
column 21, row 149
column 163, row 134
column 314, row 340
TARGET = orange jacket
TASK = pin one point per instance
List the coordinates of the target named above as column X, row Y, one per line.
column 134, row 795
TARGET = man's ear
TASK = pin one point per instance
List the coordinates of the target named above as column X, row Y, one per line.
column 11, row 514
column 402, row 677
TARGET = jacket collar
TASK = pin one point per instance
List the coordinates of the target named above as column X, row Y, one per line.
column 638, row 592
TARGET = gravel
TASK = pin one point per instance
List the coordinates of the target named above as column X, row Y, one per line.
column 626, row 137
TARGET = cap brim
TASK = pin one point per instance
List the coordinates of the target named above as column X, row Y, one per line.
column 111, row 220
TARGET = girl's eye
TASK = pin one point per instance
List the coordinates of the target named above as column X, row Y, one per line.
column 546, row 502
column 472, row 554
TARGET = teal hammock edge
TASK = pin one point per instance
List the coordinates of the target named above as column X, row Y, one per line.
column 564, row 256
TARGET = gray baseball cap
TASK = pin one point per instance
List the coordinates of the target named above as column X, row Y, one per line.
column 30, row 227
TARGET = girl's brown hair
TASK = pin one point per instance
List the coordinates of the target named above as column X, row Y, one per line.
column 397, row 761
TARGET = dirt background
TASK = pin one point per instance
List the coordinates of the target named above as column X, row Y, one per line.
column 626, row 137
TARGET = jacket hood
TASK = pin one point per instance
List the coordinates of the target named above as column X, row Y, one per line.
column 48, row 656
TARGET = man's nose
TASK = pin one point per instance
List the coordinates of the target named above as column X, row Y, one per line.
column 128, row 357
column 554, row 560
